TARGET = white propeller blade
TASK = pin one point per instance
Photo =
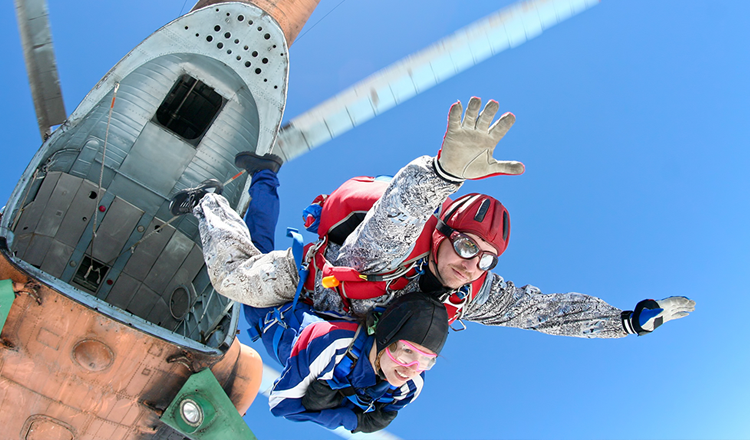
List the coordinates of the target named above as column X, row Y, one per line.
column 416, row 73
column 36, row 38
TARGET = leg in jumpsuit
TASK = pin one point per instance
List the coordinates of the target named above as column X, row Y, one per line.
column 261, row 218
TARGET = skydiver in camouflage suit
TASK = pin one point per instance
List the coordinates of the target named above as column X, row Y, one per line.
column 463, row 249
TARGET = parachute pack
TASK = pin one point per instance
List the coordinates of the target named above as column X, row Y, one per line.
column 337, row 215
column 333, row 218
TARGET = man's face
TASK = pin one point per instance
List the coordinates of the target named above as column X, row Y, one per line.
column 454, row 270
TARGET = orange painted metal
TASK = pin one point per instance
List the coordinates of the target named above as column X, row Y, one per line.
column 240, row 372
column 291, row 15
column 70, row 372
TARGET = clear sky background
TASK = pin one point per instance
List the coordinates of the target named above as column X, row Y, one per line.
column 633, row 121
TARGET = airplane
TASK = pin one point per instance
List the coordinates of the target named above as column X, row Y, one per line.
column 125, row 321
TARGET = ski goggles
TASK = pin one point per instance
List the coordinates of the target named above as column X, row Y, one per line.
column 467, row 248
column 407, row 355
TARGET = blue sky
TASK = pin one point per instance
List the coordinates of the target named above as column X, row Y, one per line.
column 632, row 120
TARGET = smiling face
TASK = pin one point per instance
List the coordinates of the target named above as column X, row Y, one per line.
column 395, row 373
column 455, row 271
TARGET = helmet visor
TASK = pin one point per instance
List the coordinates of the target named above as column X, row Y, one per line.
column 407, row 355
column 467, row 248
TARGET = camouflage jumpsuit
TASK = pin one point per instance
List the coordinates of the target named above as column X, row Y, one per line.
column 380, row 243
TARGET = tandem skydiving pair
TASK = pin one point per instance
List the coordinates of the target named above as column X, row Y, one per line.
column 414, row 251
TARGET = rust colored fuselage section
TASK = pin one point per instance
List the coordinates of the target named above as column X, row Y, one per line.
column 69, row 372
column 291, row 15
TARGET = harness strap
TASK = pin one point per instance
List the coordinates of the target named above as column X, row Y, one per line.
column 278, row 333
column 351, row 356
column 298, row 246
column 275, row 318
column 340, row 379
column 254, row 332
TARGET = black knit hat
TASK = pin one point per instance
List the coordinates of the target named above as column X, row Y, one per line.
column 414, row 317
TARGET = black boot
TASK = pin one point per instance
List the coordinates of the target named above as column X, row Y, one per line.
column 254, row 163
column 184, row 201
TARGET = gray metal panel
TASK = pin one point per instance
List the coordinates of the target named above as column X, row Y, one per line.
column 41, row 67
column 115, row 229
column 82, row 248
column 58, row 205
column 95, row 173
column 20, row 244
column 57, row 258
column 79, row 215
column 161, row 316
column 202, row 282
column 61, row 160
column 123, row 291
column 154, row 166
column 169, row 261
column 148, row 251
column 187, row 272
column 189, row 227
column 143, row 301
column 37, row 250
column 86, row 157
column 136, row 194
column 33, row 212
column 25, row 230
column 125, row 255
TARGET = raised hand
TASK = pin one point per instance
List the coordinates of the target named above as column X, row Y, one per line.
column 468, row 145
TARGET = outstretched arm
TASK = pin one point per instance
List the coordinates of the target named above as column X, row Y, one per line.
column 388, row 233
column 566, row 314
column 390, row 229
column 650, row 314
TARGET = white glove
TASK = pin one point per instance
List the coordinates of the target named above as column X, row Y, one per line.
column 650, row 314
column 468, row 146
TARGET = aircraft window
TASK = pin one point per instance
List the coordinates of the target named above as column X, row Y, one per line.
column 189, row 108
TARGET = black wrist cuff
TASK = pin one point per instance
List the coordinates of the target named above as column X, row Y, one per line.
column 627, row 324
column 448, row 177
column 649, row 304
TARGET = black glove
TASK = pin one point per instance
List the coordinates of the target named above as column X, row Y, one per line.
column 374, row 421
column 320, row 396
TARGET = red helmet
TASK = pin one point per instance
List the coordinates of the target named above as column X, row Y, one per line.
column 477, row 214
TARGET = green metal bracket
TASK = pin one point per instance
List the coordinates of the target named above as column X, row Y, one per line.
column 202, row 411
column 6, row 300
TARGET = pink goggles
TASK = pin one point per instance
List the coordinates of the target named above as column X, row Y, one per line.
column 407, row 355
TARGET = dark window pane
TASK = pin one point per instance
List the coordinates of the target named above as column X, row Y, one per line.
column 189, row 108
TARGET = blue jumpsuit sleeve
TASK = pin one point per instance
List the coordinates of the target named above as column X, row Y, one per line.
column 314, row 356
